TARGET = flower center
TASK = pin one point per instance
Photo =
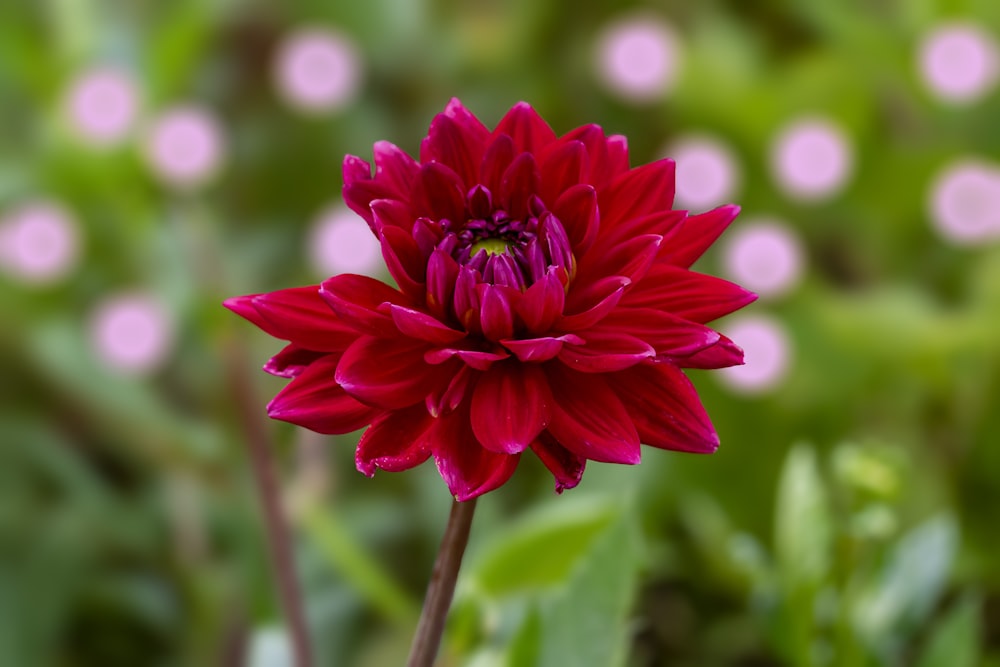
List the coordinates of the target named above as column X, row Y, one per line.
column 507, row 250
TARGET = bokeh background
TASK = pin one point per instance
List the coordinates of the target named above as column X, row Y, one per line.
column 158, row 157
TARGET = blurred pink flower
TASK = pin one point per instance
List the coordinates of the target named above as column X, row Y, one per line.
column 707, row 172
column 637, row 57
column 765, row 256
column 766, row 352
column 184, row 146
column 544, row 303
column 131, row 332
column 102, row 105
column 964, row 202
column 811, row 159
column 39, row 242
column 317, row 70
column 959, row 62
column 341, row 242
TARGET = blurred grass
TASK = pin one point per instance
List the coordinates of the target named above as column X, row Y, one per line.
column 128, row 530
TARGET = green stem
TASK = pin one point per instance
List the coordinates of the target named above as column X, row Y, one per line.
column 442, row 585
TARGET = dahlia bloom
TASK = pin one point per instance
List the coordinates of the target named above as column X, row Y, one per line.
column 544, row 303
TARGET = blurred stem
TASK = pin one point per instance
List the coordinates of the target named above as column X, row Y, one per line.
column 276, row 526
column 334, row 541
column 442, row 585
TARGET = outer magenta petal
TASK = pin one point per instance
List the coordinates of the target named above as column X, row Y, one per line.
column 565, row 466
column 357, row 299
column 496, row 313
column 467, row 468
column 439, row 193
column 534, row 350
column 519, row 184
column 670, row 335
column 299, row 315
column 580, row 216
column 395, row 441
column 391, row 374
column 562, row 166
column 589, row 419
column 693, row 296
column 542, row 303
column 640, row 191
column 456, row 139
column 630, row 259
column 395, row 168
column 499, row 155
column 480, row 360
column 606, row 351
column 722, row 354
column 511, row 405
column 291, row 361
column 661, row 223
column 588, row 306
column 529, row 131
column 315, row 400
column 415, row 324
column 665, row 408
column 692, row 238
column 404, row 260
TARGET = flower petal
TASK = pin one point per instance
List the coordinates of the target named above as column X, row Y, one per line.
column 606, row 351
column 457, row 139
column 356, row 300
column 587, row 306
column 391, row 374
column 415, row 324
column 480, row 360
column 395, row 169
column 565, row 466
column 589, row 419
column 454, row 393
column 468, row 468
column 518, row 185
column 442, row 272
column 665, row 408
column 670, row 335
column 693, row 296
column 496, row 310
column 580, row 216
column 291, row 361
column 394, row 442
column 405, row 262
column 299, row 315
column 316, row 401
column 692, row 238
column 497, row 159
column 539, row 349
column 640, row 191
column 439, row 193
column 631, row 259
column 722, row 354
column 542, row 303
column 511, row 405
column 562, row 165
column 529, row 131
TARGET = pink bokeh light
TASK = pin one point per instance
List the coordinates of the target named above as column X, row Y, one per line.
column 959, row 62
column 708, row 174
column 39, row 242
column 341, row 242
column 811, row 159
column 102, row 105
column 964, row 202
column 132, row 333
column 317, row 70
column 767, row 352
column 764, row 256
column 638, row 57
column 184, row 146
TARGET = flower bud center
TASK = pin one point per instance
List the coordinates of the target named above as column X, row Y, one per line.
column 492, row 246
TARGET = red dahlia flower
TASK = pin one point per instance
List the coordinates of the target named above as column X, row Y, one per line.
column 544, row 303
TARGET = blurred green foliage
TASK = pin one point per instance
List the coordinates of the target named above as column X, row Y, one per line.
column 129, row 533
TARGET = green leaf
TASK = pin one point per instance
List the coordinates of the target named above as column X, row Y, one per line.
column 955, row 641
column 541, row 549
column 803, row 527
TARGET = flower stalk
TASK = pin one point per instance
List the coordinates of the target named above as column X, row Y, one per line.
column 441, row 588
column 277, row 530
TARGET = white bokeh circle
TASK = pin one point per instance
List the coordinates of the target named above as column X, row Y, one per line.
column 638, row 57
column 811, row 159
column 964, row 202
column 340, row 241
column 764, row 256
column 767, row 354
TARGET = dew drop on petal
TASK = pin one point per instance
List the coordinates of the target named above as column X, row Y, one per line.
column 811, row 159
column 317, row 70
column 707, row 172
column 637, row 57
column 39, row 242
column 959, row 62
column 184, row 146
column 101, row 106
column 964, row 202
column 131, row 332
column 341, row 242
column 764, row 256
column 766, row 351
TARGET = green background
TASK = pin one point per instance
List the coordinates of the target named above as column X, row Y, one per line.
column 849, row 518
